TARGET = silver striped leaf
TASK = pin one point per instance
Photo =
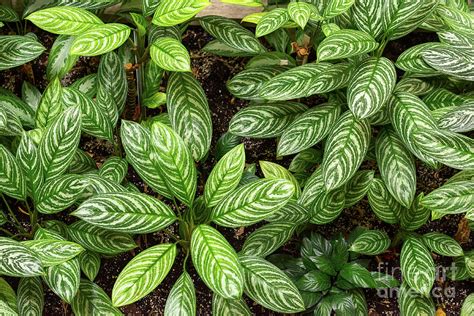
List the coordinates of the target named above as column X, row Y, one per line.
column 86, row 84
column 18, row 260
column 267, row 239
column 441, row 98
column 23, row 111
column 459, row 119
column 225, row 176
column 189, row 113
column 58, row 194
column 451, row 61
column 90, row 264
column 17, row 50
column 265, row 121
column 412, row 303
column 408, row 114
column 170, row 13
column 30, row 296
column 371, row 86
column 382, row 203
column 59, row 143
column 232, row 34
column 333, row 78
column 269, row 286
column 111, row 77
column 292, row 212
column 226, row 143
column 455, row 39
column 345, row 149
column 8, row 300
column 272, row 21
column 417, row 265
column 92, row 300
column 136, row 141
column 51, row 104
column 98, row 185
column 313, row 188
column 10, row 123
column 411, row 60
column 414, row 217
column 308, row 129
column 12, row 180
column 59, row 60
column 328, row 206
column 454, row 18
column 126, row 212
column 143, row 274
column 63, row 279
column 99, row 240
column 467, row 305
column 344, row 44
column 159, row 31
column 216, row 262
column 300, row 12
column 252, row 202
column 30, row 95
column 175, row 162
column 114, row 169
column 169, row 54
column 413, row 86
column 8, row 14
column 396, row 166
column 305, row 160
column 29, row 161
column 225, row 307
column 334, row 8
column 217, row 47
column 452, row 198
column 272, row 170
column 182, row 298
column 149, row 6
column 357, row 187
column 371, row 242
column 442, row 244
column 105, row 101
column 368, row 16
column 52, row 252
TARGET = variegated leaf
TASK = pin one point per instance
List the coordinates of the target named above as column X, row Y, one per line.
column 415, row 216
column 345, row 43
column 106, row 102
column 90, row 264
column 175, row 162
column 252, row 202
column 87, row 84
column 456, row 39
column 170, row 13
column 456, row 19
column 216, row 262
column 357, row 187
column 126, row 212
column 224, row 307
column 267, row 239
column 300, row 12
column 336, row 7
column 269, row 286
column 219, row 48
column 189, row 113
column 225, row 176
column 265, row 121
column 292, row 212
column 371, row 242
column 99, row 240
column 450, row 61
column 7, row 297
column 52, row 252
column 417, row 266
column 149, row 6
column 30, row 294
column 414, row 86
column 59, row 60
column 51, row 104
column 30, row 95
column 232, row 34
column 272, row 170
column 368, row 16
column 328, row 206
column 382, row 203
column 12, row 180
column 65, row 20
column 452, row 198
column 111, row 77
column 411, row 60
column 17, row 260
column 182, row 297
column 271, row 59
column 11, row 125
column 143, row 274
column 459, row 119
column 467, row 305
column 412, row 303
column 271, row 21
column 100, row 40
column 23, row 111
column 337, row 76
column 63, row 279
column 8, row 14
column 92, row 300
column 313, row 188
column 442, row 244
column 170, row 54
column 305, row 160
column 371, row 86
column 115, row 169
column 17, row 50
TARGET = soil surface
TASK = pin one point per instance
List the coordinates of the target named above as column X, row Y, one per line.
column 213, row 72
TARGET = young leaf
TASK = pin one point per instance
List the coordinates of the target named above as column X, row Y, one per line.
column 442, row 244
column 92, row 300
column 111, row 77
column 51, row 105
column 53, row 252
column 272, row 170
column 170, row 12
column 382, row 202
column 12, row 180
column 59, row 60
column 100, row 39
column 368, row 15
column 8, row 14
column 30, row 296
column 356, row 274
column 269, row 286
column 64, row 20
column 452, row 198
column 87, row 84
column 63, row 279
column 224, row 307
column 313, row 188
column 271, row 21
column 143, row 274
column 126, row 212
column 10, row 123
column 189, row 113
column 170, row 54
column 225, row 176
column 336, row 7
column 314, row 281
column 182, row 297
column 252, row 202
column 371, row 242
column 115, row 169
column 345, row 43
column 417, row 266
column 266, row 239
column 216, row 262
column 345, row 149
column 411, row 302
column 300, row 12
column 90, row 264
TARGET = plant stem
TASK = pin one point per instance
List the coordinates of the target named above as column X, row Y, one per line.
column 171, row 234
column 6, row 232
column 16, row 221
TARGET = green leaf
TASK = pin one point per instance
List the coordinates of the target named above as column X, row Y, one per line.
column 182, row 297
column 114, row 168
column 397, row 167
column 17, row 50
column 382, row 203
column 216, row 262
column 170, row 54
column 328, row 206
column 252, row 202
column 111, row 77
column 314, row 281
column 305, row 160
column 308, row 129
column 219, row 48
column 143, row 274
column 30, row 296
column 313, row 188
column 59, row 60
column 450, row 61
column 459, row 119
column 455, row 18
column 451, row 198
column 345, row 149
column 126, row 212
column 267, row 239
column 189, row 113
column 418, row 268
column 271, row 21
column 24, row 112
column 12, row 180
column 411, row 60
column 358, row 275
column 58, row 194
column 92, row 300
column 452, row 149
column 415, row 216
column 90, row 264
column 265, row 121
column 51, row 105
column 7, row 295
column 275, row 171
column 271, row 59
column 175, row 162
column 300, row 12
column 87, row 84
column 149, row 7
column 224, row 307
column 336, row 7
column 373, row 83
column 371, row 242
column 65, row 20
column 345, row 43
column 357, row 187
column 7, row 14
column 100, row 39
column 442, row 244
column 136, row 141
column 57, row 146
column 291, row 212
column 412, row 303
column 368, row 16
column 267, row 285
column 225, row 176
column 232, row 34
column 30, row 95
column 169, row 12
column 468, row 305
column 99, row 240
column 63, row 279
column 456, row 39
column 413, row 86
column 53, row 252
column 10, row 123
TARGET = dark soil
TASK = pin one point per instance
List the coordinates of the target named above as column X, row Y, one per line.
column 213, row 72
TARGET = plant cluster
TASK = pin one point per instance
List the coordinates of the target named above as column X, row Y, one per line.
column 377, row 112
